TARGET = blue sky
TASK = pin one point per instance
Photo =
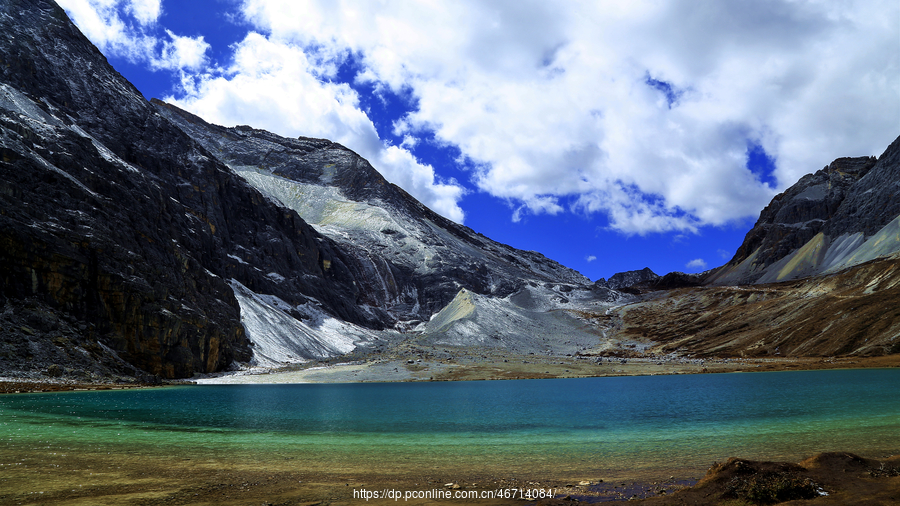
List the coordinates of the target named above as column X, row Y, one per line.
column 608, row 136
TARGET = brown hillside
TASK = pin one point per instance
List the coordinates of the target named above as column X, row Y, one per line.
column 854, row 312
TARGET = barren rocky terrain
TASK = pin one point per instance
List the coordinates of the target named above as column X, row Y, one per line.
column 853, row 313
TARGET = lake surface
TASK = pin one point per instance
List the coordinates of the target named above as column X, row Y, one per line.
column 589, row 427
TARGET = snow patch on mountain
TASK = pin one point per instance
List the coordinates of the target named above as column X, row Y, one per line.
column 323, row 207
column 279, row 338
column 13, row 100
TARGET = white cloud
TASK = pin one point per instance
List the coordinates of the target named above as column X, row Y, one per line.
column 552, row 102
column 277, row 86
column 181, row 53
column 108, row 24
column 641, row 110
column 100, row 22
column 144, row 11
column 590, row 258
column 696, row 264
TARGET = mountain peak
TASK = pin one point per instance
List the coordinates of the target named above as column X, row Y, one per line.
column 821, row 223
column 175, row 244
column 626, row 279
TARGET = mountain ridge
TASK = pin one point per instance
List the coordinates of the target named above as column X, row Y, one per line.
column 139, row 241
column 823, row 223
column 330, row 186
column 124, row 237
column 147, row 277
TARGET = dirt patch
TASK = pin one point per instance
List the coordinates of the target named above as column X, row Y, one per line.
column 92, row 479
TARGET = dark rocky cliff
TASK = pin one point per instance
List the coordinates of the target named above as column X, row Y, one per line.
column 430, row 257
column 116, row 221
column 803, row 210
column 121, row 236
column 874, row 200
column 628, row 278
column 820, row 222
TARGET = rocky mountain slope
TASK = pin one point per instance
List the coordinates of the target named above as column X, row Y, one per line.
column 628, row 278
column 118, row 224
column 139, row 241
column 344, row 198
column 131, row 247
column 853, row 312
column 817, row 276
column 443, row 283
column 841, row 216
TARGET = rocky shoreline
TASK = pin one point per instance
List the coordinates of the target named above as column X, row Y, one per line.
column 471, row 367
column 478, row 366
column 826, row 478
column 16, row 386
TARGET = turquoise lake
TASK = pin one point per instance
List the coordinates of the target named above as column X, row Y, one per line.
column 563, row 427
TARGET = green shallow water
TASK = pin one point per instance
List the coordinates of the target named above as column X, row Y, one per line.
column 553, row 427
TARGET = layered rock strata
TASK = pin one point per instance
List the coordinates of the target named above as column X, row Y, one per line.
column 843, row 215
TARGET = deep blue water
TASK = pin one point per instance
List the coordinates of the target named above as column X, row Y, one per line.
column 623, row 422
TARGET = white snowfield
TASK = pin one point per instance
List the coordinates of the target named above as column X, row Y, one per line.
column 280, row 339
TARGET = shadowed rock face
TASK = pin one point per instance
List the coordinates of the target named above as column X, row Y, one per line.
column 132, row 234
column 874, row 200
column 802, row 211
column 817, row 224
column 118, row 220
column 346, row 199
column 628, row 278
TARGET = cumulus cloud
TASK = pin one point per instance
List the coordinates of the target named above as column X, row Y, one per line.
column 144, row 11
column 696, row 264
column 180, row 52
column 270, row 83
column 643, row 111
column 110, row 25
column 590, row 258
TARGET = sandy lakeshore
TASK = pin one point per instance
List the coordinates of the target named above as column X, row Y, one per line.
column 483, row 366
column 472, row 368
